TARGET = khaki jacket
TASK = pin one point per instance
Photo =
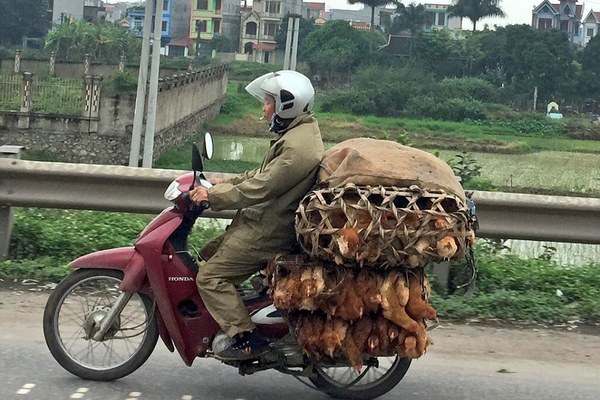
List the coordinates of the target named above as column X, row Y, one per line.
column 267, row 198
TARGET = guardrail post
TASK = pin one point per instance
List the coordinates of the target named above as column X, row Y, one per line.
column 6, row 212
column 17, row 62
column 190, row 64
column 52, row 66
column 23, row 122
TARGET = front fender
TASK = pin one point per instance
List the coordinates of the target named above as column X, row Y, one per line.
column 125, row 259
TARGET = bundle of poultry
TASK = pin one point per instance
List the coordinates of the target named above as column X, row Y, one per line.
column 350, row 312
column 382, row 226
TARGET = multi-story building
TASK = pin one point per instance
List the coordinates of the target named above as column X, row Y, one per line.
column 564, row 16
column 66, row 10
column 259, row 25
column 206, row 22
column 591, row 26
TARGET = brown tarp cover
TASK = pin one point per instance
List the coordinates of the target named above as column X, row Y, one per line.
column 364, row 161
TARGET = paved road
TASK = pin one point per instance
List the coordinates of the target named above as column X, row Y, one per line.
column 465, row 362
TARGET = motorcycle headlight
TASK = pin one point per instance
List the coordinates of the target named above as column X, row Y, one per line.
column 173, row 192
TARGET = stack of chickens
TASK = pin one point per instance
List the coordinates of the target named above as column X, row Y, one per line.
column 348, row 312
column 380, row 213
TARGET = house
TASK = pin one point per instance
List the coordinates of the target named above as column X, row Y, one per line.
column 66, row 10
column 564, row 16
column 206, row 21
column 438, row 17
column 260, row 24
column 174, row 24
column 591, row 25
column 313, row 10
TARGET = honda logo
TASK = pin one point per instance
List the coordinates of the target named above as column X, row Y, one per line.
column 180, row 279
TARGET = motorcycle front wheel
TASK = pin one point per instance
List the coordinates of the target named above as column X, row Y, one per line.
column 73, row 314
column 343, row 382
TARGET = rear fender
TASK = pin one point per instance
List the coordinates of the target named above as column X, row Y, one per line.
column 125, row 259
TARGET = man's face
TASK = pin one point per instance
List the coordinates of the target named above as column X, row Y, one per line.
column 269, row 108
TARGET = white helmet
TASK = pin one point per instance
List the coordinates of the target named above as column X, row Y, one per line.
column 294, row 94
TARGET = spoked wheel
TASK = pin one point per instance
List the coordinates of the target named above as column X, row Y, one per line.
column 375, row 379
column 72, row 317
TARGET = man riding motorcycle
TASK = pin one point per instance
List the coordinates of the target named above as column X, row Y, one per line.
column 266, row 199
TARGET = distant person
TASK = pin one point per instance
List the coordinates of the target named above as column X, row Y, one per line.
column 266, row 199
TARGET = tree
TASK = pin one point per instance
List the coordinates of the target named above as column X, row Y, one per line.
column 590, row 69
column 305, row 28
column 72, row 40
column 411, row 19
column 23, row 18
column 476, row 9
column 372, row 4
column 335, row 50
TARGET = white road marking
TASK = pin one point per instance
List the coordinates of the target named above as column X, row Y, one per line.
column 79, row 393
column 186, row 397
column 26, row 388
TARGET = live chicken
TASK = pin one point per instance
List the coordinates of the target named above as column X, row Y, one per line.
column 416, row 306
column 394, row 296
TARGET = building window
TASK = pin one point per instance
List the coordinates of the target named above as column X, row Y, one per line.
column 576, row 30
column 200, row 26
column 545, row 23
column 216, row 26
column 217, row 5
column 441, row 19
column 251, row 28
column 273, row 7
column 202, row 4
column 164, row 26
column 564, row 26
column 270, row 29
column 590, row 32
column 165, row 5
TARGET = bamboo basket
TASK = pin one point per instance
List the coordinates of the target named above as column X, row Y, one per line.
column 396, row 226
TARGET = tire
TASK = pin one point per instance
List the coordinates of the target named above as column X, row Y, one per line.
column 327, row 381
column 73, row 309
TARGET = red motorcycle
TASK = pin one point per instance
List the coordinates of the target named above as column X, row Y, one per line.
column 102, row 321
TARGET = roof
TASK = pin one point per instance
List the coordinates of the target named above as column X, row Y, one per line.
column 264, row 46
column 315, row 6
column 181, row 42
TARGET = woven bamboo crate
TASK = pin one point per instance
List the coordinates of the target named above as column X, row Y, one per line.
column 396, row 226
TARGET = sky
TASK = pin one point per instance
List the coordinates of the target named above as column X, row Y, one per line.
column 517, row 11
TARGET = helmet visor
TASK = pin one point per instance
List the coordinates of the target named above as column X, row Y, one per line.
column 255, row 87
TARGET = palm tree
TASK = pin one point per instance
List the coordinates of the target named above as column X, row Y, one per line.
column 372, row 4
column 409, row 18
column 476, row 9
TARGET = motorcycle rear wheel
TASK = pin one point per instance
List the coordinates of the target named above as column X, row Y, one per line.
column 339, row 382
column 72, row 314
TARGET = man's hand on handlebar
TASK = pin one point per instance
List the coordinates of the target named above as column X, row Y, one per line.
column 199, row 194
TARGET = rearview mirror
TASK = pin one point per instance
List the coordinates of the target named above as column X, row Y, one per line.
column 208, row 146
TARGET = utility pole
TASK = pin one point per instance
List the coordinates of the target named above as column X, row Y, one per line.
column 153, row 90
column 140, row 98
column 291, row 42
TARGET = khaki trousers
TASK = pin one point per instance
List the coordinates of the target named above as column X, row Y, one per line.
column 228, row 264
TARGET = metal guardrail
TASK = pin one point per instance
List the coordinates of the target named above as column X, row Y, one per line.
column 140, row 190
